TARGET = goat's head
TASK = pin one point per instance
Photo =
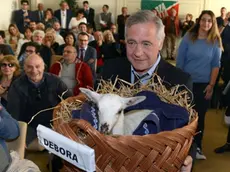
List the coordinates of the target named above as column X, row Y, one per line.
column 110, row 107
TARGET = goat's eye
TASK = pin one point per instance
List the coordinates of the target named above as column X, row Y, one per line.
column 119, row 112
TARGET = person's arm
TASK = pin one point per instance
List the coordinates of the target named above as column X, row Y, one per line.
column 14, row 102
column 9, row 127
column 112, row 18
column 100, row 20
column 62, row 88
column 84, row 20
column 88, row 77
column 70, row 23
column 182, row 52
column 222, row 27
column 215, row 64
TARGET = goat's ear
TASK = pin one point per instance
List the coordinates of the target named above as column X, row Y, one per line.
column 92, row 95
column 133, row 100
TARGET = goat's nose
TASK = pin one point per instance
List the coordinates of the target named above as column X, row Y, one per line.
column 104, row 128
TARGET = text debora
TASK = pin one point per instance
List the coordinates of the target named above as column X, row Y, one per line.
column 63, row 151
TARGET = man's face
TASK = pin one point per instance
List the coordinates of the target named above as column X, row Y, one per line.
column 83, row 41
column 25, row 6
column 64, row 6
column 173, row 13
column 38, row 38
column 34, row 68
column 142, row 46
column 56, row 26
column 40, row 7
column 104, row 9
column 223, row 11
column 33, row 26
column 69, row 54
column 124, row 10
column 98, row 36
column 83, row 28
column 85, row 6
column 30, row 50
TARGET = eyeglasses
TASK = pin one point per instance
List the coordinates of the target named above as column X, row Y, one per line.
column 9, row 65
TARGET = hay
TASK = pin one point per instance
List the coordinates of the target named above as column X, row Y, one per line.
column 176, row 95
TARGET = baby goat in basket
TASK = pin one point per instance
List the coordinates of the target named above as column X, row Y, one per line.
column 111, row 112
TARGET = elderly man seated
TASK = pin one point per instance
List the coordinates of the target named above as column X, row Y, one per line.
column 9, row 129
column 72, row 71
column 34, row 91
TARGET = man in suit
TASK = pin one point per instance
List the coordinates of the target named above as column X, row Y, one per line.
column 64, row 16
column 145, row 36
column 23, row 16
column 89, row 14
column 86, row 53
column 121, row 19
column 105, row 18
column 39, row 13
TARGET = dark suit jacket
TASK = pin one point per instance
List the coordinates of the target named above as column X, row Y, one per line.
column 91, row 53
column 57, row 14
column 169, row 73
column 121, row 25
column 18, row 19
column 37, row 16
column 90, row 17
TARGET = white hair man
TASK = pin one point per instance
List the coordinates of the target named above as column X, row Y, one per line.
column 144, row 34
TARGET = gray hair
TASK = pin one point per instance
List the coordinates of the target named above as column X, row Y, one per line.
column 146, row 16
column 39, row 32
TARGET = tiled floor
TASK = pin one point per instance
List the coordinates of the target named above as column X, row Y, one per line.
column 215, row 135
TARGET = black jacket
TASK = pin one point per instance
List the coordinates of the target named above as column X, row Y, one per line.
column 170, row 74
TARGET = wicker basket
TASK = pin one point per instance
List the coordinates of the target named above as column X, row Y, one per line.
column 165, row 151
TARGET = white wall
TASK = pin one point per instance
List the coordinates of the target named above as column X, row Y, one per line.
column 6, row 8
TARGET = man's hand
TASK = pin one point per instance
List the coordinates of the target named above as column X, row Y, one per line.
column 90, row 61
column 187, row 166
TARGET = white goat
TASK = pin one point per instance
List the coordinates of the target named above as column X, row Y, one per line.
column 111, row 112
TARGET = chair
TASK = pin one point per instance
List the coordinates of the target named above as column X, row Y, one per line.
column 55, row 58
column 19, row 144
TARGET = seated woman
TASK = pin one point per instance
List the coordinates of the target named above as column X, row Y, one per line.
column 75, row 21
column 14, row 35
column 110, row 47
column 70, row 40
column 49, row 18
column 9, row 70
column 27, row 38
column 49, row 41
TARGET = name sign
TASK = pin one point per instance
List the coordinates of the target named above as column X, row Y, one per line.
column 75, row 153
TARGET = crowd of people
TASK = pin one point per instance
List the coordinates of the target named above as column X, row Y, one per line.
column 29, row 82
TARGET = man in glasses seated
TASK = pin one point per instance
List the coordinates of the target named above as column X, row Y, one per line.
column 34, row 91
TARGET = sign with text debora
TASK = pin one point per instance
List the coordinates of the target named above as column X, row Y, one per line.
column 75, row 153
